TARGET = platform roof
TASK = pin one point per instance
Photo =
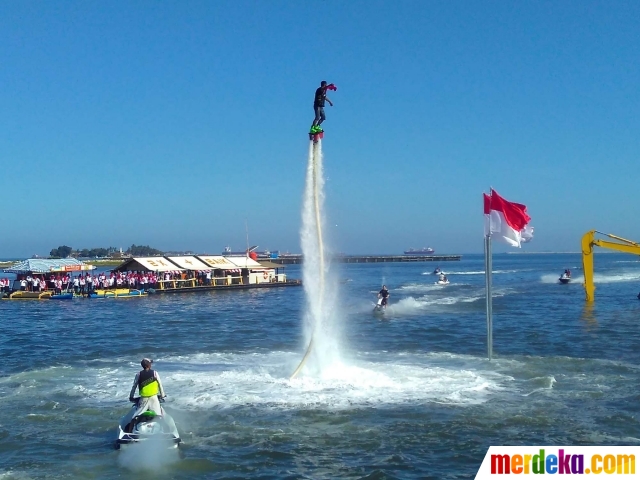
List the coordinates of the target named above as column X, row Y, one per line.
column 244, row 262
column 218, row 262
column 46, row 265
column 151, row 264
column 190, row 263
column 268, row 264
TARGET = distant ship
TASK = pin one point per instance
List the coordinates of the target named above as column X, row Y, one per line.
column 265, row 254
column 229, row 253
column 422, row 251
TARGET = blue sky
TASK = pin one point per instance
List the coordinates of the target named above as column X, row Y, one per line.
column 174, row 123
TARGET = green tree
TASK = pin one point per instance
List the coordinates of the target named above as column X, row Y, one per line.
column 62, row 251
column 142, row 251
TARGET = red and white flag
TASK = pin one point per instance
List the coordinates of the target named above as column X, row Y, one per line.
column 507, row 221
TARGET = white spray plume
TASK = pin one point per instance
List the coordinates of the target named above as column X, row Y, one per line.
column 320, row 285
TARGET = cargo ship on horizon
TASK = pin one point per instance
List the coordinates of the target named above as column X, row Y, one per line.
column 422, row 251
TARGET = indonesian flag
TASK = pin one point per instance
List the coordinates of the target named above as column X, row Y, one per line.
column 507, row 221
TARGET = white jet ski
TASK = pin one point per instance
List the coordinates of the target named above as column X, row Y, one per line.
column 379, row 309
column 147, row 425
column 564, row 278
column 443, row 280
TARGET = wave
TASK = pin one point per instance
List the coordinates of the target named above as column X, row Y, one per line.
column 409, row 305
column 412, row 305
column 419, row 287
column 202, row 382
column 542, row 384
column 597, row 278
column 612, row 278
column 222, row 380
column 553, row 278
column 474, row 272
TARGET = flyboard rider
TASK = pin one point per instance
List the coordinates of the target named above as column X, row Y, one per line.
column 318, row 105
column 148, row 383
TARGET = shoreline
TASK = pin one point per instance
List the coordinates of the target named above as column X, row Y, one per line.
column 97, row 263
column 339, row 258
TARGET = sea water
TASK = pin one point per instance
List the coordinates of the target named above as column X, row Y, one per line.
column 413, row 397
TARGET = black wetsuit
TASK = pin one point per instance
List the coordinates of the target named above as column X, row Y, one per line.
column 384, row 293
column 318, row 105
column 321, row 95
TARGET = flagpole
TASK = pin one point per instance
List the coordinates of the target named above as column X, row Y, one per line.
column 488, row 269
column 511, row 224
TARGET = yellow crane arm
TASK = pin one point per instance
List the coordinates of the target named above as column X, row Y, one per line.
column 588, row 242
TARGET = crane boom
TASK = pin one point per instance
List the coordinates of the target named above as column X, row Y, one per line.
column 588, row 242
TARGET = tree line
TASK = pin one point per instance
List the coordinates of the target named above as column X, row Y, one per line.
column 64, row 251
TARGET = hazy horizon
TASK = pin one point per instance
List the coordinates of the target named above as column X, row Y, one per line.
column 191, row 252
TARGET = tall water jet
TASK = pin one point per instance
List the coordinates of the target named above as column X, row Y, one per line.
column 319, row 289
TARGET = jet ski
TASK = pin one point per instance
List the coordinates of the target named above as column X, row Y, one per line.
column 443, row 280
column 147, row 425
column 565, row 277
column 379, row 309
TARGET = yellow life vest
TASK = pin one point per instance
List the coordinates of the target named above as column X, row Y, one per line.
column 148, row 384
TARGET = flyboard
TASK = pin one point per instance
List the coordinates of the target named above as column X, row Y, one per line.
column 315, row 156
column 316, row 134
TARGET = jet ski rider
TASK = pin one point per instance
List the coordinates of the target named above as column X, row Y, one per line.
column 384, row 295
column 150, row 387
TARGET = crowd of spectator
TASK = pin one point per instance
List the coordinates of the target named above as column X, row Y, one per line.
column 86, row 283
column 5, row 285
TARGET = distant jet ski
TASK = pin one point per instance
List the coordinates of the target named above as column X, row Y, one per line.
column 149, row 424
column 443, row 280
column 565, row 277
column 437, row 271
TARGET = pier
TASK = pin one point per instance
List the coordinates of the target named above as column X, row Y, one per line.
column 298, row 259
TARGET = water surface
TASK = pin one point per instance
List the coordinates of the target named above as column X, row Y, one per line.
column 412, row 396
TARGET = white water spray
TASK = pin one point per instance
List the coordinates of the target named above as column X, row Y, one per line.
column 319, row 289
